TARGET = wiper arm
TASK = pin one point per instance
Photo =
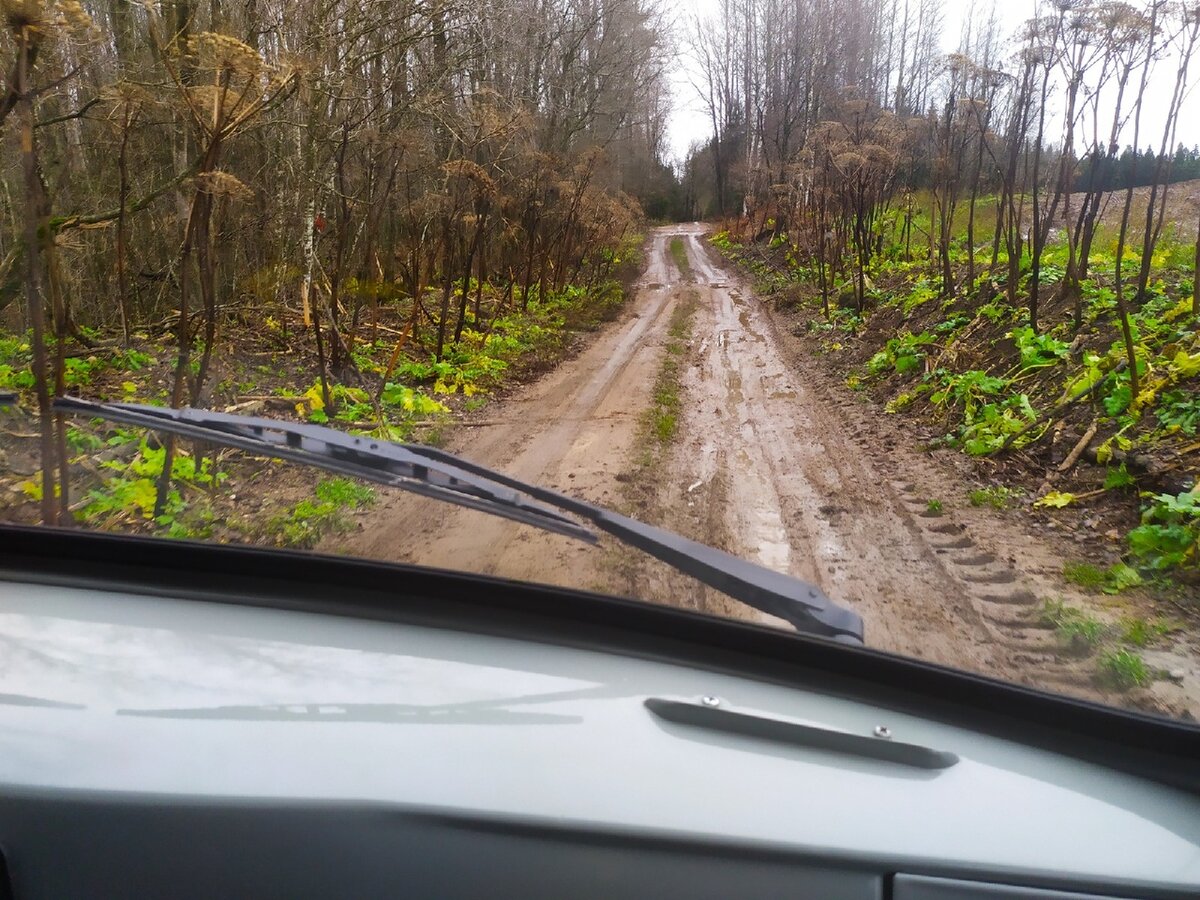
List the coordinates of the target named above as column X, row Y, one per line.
column 444, row 476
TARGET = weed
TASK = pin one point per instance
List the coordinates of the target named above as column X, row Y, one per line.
column 1169, row 536
column 133, row 490
column 903, row 354
column 679, row 255
column 1085, row 575
column 934, row 506
column 305, row 523
column 81, row 441
column 1038, row 350
column 662, row 417
column 130, row 360
column 1179, row 411
column 1074, row 627
column 998, row 497
column 15, row 379
column 995, row 424
column 1140, row 632
column 78, row 371
column 1124, row 669
column 1113, row 580
column 1118, row 478
column 1120, row 577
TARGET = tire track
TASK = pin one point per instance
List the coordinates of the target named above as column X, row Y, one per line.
column 817, row 493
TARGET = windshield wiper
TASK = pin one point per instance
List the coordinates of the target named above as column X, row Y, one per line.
column 444, row 476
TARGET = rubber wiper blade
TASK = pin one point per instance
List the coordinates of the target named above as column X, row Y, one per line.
column 444, row 476
column 384, row 462
column 802, row 605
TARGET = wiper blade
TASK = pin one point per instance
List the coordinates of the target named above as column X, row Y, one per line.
column 383, row 462
column 444, row 476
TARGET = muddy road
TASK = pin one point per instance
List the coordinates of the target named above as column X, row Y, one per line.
column 772, row 462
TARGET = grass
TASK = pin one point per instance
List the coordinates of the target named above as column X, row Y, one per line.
column 1074, row 627
column 1141, row 633
column 996, row 497
column 1085, row 575
column 663, row 413
column 933, row 506
column 1116, row 578
column 679, row 254
column 1124, row 669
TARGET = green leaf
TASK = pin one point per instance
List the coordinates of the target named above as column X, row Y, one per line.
column 1118, row 478
column 1118, row 401
column 1055, row 500
column 1122, row 576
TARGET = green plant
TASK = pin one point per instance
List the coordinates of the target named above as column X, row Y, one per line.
column 679, row 255
column 1085, row 575
column 1124, row 669
column 1113, row 580
column 1118, row 478
column 80, row 441
column 933, row 506
column 904, row 354
column 1169, row 536
column 131, row 360
column 993, row 425
column 1038, row 350
column 15, row 379
column 1121, row 577
column 1140, row 632
column 968, row 390
column 997, row 312
column 663, row 414
column 1179, row 410
column 132, row 491
column 305, row 523
column 78, row 371
column 1073, row 626
column 410, row 401
column 998, row 497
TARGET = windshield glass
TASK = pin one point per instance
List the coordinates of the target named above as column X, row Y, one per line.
column 894, row 298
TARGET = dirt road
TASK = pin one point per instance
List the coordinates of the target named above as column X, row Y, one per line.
column 574, row 429
column 771, row 463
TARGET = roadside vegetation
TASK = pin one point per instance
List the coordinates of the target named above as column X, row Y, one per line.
column 1052, row 413
column 1036, row 308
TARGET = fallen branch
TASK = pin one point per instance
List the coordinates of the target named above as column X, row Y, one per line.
column 1077, row 450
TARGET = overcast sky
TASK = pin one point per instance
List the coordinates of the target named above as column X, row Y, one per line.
column 690, row 123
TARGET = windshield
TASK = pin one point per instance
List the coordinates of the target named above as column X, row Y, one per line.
column 877, row 295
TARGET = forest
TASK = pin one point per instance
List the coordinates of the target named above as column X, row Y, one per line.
column 412, row 193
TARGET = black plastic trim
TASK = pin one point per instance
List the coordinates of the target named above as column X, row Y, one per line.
column 799, row 735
